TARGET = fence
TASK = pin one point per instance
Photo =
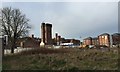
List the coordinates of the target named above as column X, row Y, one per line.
column 17, row 50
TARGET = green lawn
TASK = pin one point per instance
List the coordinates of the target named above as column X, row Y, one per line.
column 63, row 59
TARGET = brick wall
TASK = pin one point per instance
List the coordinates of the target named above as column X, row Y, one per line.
column 104, row 40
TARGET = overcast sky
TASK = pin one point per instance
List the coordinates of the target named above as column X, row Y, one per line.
column 71, row 19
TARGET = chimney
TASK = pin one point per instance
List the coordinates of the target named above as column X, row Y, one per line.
column 56, row 35
column 58, row 40
column 32, row 35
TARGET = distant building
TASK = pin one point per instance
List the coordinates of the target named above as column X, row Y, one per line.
column 63, row 40
column 104, row 39
column 116, row 39
column 58, row 40
column 46, row 33
column 87, row 41
column 95, row 41
column 28, row 42
column 75, row 41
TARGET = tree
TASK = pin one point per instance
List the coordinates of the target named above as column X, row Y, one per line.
column 14, row 24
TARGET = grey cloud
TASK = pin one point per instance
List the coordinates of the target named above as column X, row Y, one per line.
column 73, row 19
column 90, row 18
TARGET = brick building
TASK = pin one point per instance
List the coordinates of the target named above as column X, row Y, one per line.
column 58, row 40
column 116, row 39
column 104, row 39
column 75, row 41
column 87, row 41
column 95, row 41
column 28, row 42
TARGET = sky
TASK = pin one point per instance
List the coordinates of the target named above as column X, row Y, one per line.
column 71, row 19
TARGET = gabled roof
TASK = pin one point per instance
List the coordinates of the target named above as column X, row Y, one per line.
column 94, row 38
column 104, row 34
column 88, row 38
column 116, row 34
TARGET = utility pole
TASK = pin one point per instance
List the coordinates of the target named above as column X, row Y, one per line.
column 80, row 40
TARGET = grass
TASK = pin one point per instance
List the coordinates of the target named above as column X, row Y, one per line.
column 63, row 59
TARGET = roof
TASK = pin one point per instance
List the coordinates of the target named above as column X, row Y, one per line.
column 116, row 34
column 46, row 23
column 104, row 34
column 88, row 38
column 94, row 38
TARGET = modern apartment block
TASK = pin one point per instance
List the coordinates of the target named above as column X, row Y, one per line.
column 104, row 39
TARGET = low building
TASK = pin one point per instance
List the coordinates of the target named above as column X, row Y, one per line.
column 116, row 39
column 104, row 39
column 28, row 42
column 75, row 41
column 58, row 40
column 87, row 41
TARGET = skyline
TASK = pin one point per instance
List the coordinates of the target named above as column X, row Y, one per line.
column 71, row 19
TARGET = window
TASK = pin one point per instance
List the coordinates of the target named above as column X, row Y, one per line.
column 102, row 36
column 105, row 37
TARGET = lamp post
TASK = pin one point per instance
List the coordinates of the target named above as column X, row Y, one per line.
column 80, row 40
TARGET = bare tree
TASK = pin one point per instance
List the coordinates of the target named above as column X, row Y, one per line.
column 14, row 24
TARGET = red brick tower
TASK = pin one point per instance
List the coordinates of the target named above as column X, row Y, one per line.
column 48, row 34
column 43, row 32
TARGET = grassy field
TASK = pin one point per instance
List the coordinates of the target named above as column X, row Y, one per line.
column 63, row 59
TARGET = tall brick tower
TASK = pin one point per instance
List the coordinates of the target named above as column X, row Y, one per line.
column 46, row 33
column 43, row 32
